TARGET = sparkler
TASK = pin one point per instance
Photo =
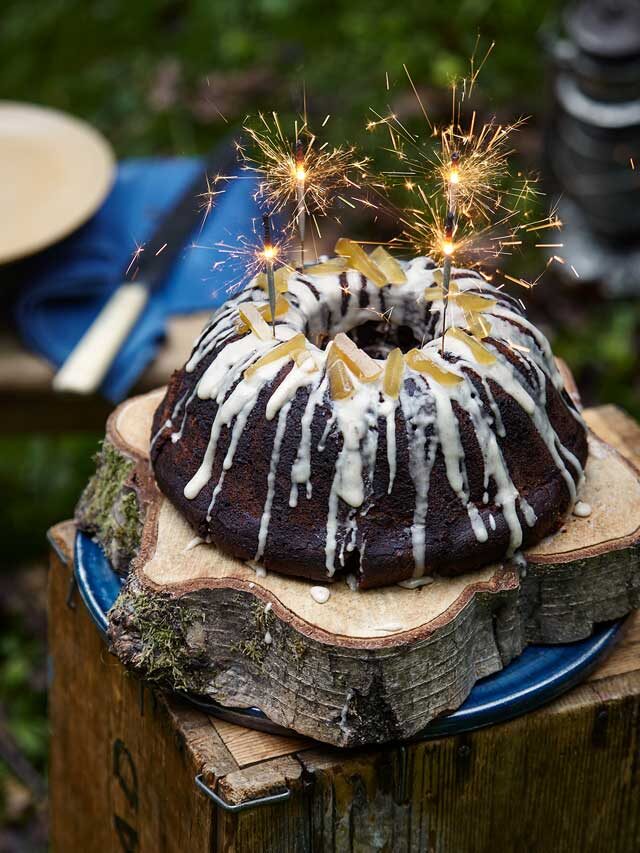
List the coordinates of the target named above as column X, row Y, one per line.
column 467, row 202
column 298, row 170
column 246, row 254
column 301, row 211
column 269, row 252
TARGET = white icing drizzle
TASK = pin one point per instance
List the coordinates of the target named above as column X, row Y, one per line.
column 415, row 583
column 301, row 470
column 271, row 481
column 428, row 407
column 320, row 594
column 417, row 419
column 260, row 571
column 582, row 509
column 351, row 581
column 388, row 411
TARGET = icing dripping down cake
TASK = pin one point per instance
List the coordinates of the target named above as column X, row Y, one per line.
column 356, row 441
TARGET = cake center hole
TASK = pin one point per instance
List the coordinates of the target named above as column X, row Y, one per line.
column 377, row 338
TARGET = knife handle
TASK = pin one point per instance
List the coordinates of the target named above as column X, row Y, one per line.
column 88, row 363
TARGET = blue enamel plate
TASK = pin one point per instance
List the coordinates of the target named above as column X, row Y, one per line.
column 539, row 675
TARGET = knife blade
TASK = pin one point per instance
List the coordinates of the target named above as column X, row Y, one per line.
column 90, row 360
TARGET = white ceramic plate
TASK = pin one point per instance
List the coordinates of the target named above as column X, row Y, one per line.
column 55, row 170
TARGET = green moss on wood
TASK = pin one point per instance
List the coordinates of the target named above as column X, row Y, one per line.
column 161, row 651
column 254, row 647
column 297, row 646
column 109, row 509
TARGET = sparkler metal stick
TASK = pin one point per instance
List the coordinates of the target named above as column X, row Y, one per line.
column 269, row 253
column 301, row 211
column 453, row 178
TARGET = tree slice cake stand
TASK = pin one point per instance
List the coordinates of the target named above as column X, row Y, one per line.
column 532, row 679
column 363, row 667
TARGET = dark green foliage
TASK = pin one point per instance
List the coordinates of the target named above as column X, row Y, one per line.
column 41, row 478
column 150, row 74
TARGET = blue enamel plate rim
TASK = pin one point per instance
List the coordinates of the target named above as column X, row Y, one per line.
column 538, row 675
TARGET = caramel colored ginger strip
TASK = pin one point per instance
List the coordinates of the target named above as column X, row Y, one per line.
column 284, row 350
column 282, row 306
column 431, row 294
column 333, row 265
column 393, row 374
column 474, row 302
column 253, row 319
column 340, row 383
column 417, row 361
column 479, row 326
column 303, row 358
column 357, row 360
column 281, row 276
column 359, row 260
column 388, row 265
column 481, row 354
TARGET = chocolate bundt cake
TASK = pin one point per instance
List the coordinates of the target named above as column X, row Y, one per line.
column 357, row 440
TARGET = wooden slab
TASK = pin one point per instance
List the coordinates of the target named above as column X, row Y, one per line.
column 366, row 666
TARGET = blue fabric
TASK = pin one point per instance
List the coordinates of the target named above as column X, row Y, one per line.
column 65, row 286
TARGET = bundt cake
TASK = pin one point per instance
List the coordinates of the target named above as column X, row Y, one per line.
column 358, row 441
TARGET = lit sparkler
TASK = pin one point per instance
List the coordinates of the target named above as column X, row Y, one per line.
column 467, row 203
column 301, row 210
column 298, row 170
column 269, row 254
column 251, row 254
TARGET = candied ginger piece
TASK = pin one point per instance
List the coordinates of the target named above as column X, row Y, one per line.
column 479, row 326
column 357, row 360
column 330, row 267
column 475, row 302
column 282, row 306
column 340, row 383
column 393, row 372
column 433, row 293
column 388, row 265
column 283, row 350
column 359, row 260
column 281, row 276
column 479, row 351
column 254, row 320
column 417, row 361
column 303, row 358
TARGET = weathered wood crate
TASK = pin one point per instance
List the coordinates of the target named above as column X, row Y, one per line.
column 124, row 760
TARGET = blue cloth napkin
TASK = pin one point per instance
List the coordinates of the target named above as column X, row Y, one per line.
column 65, row 286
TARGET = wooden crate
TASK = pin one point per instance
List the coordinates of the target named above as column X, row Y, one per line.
column 124, row 759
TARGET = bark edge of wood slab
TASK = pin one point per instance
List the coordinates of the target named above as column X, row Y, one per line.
column 365, row 667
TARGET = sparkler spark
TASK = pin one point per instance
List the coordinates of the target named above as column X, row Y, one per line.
column 134, row 259
column 464, row 200
column 466, row 173
column 208, row 197
column 298, row 170
column 249, row 255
